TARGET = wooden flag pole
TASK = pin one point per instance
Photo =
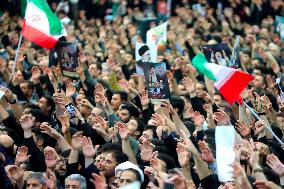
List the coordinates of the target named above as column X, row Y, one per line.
column 266, row 125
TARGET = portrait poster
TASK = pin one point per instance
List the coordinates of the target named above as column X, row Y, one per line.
column 279, row 26
column 138, row 58
column 157, row 82
column 235, row 61
column 217, row 53
column 67, row 57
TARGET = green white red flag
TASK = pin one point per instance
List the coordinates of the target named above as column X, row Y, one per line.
column 230, row 82
column 41, row 25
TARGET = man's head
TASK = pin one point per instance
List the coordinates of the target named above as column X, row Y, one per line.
column 96, row 112
column 118, row 98
column 127, row 111
column 149, row 132
column 46, row 104
column 218, row 99
column 27, row 88
column 95, row 70
column 144, row 52
column 75, row 181
column 135, row 127
column 112, row 159
column 127, row 173
column 79, row 98
column 36, row 181
column 259, row 82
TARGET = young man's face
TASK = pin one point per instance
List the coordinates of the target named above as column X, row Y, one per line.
column 108, row 165
column 42, row 104
column 146, row 57
column 124, row 115
column 115, row 101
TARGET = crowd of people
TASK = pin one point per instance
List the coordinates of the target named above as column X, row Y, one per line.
column 100, row 130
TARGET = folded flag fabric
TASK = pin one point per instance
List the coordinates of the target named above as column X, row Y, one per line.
column 230, row 82
column 41, row 25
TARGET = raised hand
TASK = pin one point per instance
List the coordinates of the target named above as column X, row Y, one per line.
column 275, row 164
column 254, row 156
column 198, row 119
column 27, row 121
column 59, row 99
column 101, row 99
column 146, row 150
column 100, row 122
column 183, row 156
column 257, row 103
column 208, row 108
column 64, row 120
column 206, row 154
column 189, row 85
column 240, row 177
column 51, row 157
column 266, row 104
column 221, row 117
column 124, row 85
column 87, row 147
column 16, row 172
column 259, row 127
column 47, row 129
column 22, row 155
column 187, row 144
column 76, row 141
column 122, row 130
column 35, row 73
column 158, row 120
column 204, row 95
column 243, row 129
column 265, row 184
column 99, row 181
column 87, row 103
column 50, row 179
column 169, row 107
column 99, row 88
column 144, row 99
column 70, row 90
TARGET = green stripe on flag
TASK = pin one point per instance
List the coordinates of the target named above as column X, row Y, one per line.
column 55, row 26
column 199, row 63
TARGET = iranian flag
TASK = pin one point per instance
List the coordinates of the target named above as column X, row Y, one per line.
column 41, row 25
column 230, row 82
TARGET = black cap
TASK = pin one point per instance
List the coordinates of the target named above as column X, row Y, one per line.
column 143, row 49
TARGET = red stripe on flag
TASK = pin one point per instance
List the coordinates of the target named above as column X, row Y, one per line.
column 232, row 89
column 38, row 37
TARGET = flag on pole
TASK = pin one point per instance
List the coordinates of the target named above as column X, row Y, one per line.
column 230, row 82
column 41, row 25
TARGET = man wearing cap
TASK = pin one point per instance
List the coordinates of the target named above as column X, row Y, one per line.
column 128, row 173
